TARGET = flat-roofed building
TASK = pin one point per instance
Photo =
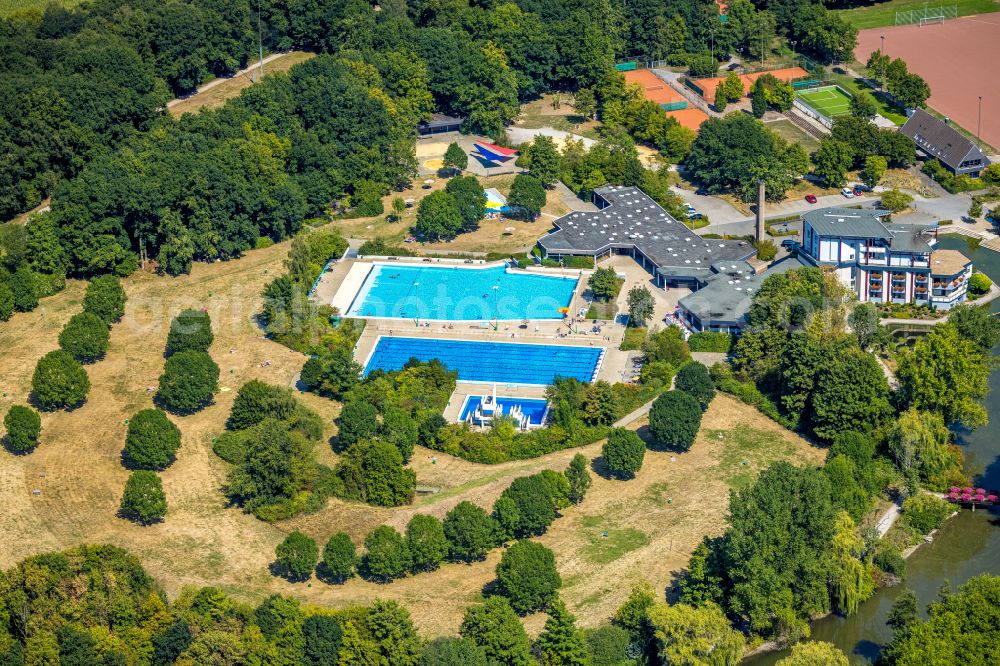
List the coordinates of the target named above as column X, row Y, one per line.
column 629, row 222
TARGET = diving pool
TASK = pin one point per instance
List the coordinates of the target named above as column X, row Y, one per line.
column 533, row 408
column 460, row 293
column 490, row 362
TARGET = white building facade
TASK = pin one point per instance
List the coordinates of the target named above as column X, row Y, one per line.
column 884, row 262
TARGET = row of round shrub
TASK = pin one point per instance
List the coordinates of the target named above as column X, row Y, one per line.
column 467, row 534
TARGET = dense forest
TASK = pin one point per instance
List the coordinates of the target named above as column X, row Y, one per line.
column 89, row 84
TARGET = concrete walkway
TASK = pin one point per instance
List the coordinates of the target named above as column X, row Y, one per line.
column 570, row 200
column 519, row 135
column 888, row 518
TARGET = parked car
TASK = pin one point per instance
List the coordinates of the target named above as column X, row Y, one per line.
column 695, row 216
column 701, row 192
column 848, row 192
column 811, row 198
column 858, row 190
column 789, row 244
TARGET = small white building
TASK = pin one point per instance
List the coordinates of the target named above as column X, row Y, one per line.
column 884, row 262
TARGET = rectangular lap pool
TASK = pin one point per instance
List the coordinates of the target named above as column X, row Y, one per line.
column 460, row 293
column 490, row 362
column 532, row 409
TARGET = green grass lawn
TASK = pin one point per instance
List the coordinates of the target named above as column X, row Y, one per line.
column 607, row 543
column 884, row 13
column 599, row 310
column 792, row 133
column 747, row 451
column 634, row 338
column 9, row 7
column 830, row 101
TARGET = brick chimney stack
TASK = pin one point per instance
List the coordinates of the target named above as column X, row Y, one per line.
column 760, row 210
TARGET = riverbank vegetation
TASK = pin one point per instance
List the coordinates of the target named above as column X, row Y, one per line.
column 802, row 366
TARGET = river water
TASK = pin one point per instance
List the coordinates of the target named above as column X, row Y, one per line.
column 966, row 546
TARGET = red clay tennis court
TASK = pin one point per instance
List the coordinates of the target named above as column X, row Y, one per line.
column 690, row 117
column 958, row 58
column 708, row 86
column 656, row 89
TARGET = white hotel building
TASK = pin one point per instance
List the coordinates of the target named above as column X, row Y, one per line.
column 884, row 262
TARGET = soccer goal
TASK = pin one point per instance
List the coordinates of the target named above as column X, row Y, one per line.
column 926, row 15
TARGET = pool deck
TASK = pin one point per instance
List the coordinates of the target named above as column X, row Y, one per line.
column 340, row 285
column 614, row 368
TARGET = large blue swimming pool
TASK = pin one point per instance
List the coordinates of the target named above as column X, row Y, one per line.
column 533, row 408
column 454, row 293
column 490, row 362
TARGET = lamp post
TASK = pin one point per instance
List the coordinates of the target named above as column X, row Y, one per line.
column 260, row 42
column 496, row 307
column 881, row 53
column 979, row 122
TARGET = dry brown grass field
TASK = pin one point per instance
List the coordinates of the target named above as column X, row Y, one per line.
column 652, row 522
column 508, row 235
column 221, row 90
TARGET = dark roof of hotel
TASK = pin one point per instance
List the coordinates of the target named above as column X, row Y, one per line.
column 867, row 223
column 633, row 219
column 726, row 297
column 910, row 237
column 938, row 139
column 850, row 222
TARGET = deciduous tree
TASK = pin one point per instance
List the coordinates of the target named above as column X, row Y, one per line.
column 189, row 382
column 470, row 531
column 59, row 381
column 578, row 477
column 640, row 305
column 438, row 217
column 527, row 196
column 426, row 541
column 191, row 330
column 152, row 440
column 495, row 627
column 387, row 556
column 340, row 558
column 685, row 634
column 674, row 420
column 693, row 378
column 23, row 425
column 297, row 555
column 536, row 509
column 144, row 500
column 947, row 374
column 105, row 297
column 623, row 453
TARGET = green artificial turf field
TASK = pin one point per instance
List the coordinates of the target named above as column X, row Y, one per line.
column 830, row 101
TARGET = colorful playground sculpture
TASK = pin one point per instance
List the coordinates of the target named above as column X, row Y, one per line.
column 494, row 153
